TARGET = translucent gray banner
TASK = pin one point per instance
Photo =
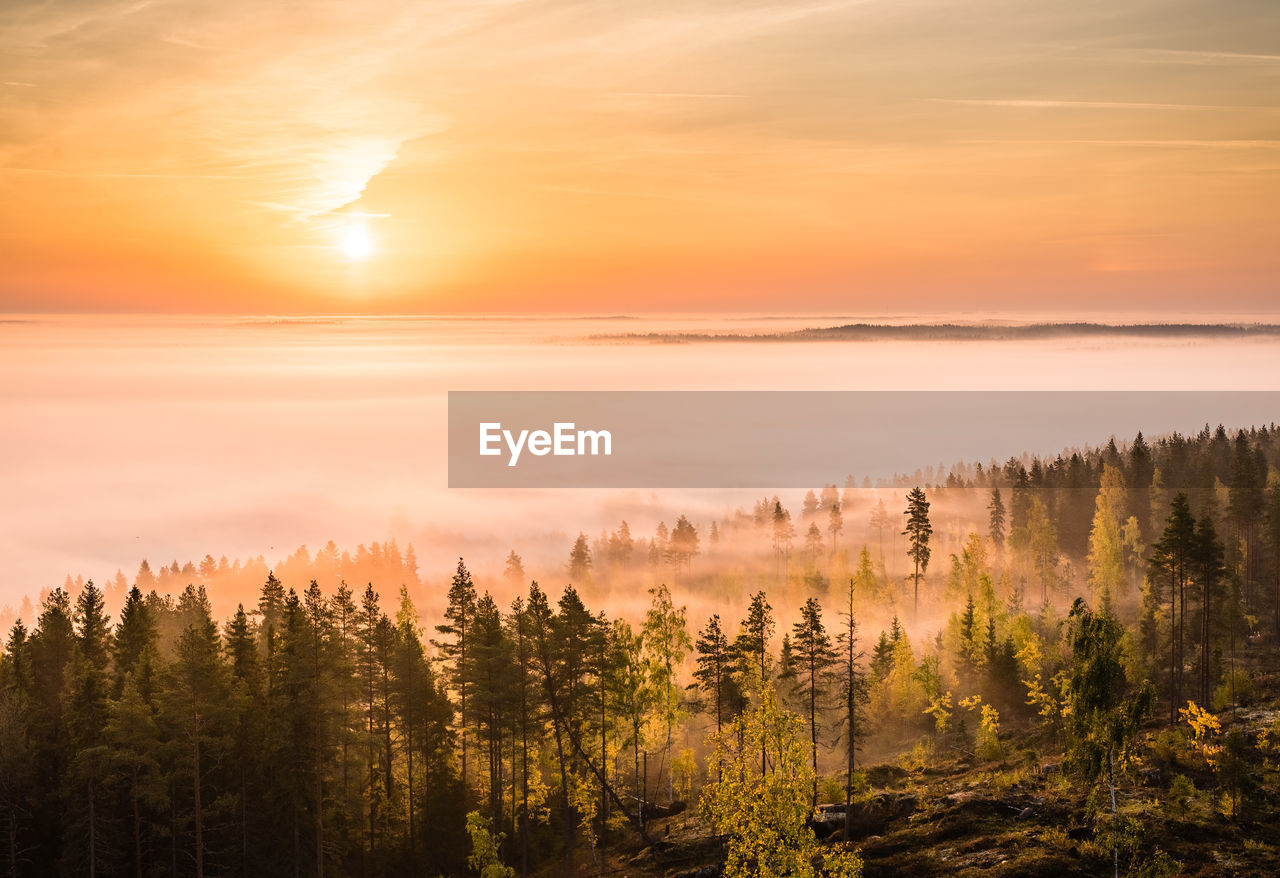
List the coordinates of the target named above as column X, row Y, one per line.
column 789, row 439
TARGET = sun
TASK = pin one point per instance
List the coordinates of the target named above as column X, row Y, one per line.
column 354, row 242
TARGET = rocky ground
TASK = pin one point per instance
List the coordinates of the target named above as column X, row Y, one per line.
column 1023, row 816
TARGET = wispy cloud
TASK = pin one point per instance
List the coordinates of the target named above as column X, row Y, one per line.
column 1203, row 56
column 1052, row 104
column 1194, row 144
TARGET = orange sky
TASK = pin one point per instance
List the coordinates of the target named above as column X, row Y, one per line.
column 505, row 155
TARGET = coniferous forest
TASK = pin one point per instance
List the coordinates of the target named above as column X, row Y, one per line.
column 1038, row 667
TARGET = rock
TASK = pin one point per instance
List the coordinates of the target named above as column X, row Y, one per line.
column 870, row 817
column 1080, row 833
column 700, row 872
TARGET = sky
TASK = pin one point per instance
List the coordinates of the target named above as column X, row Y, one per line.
column 507, row 156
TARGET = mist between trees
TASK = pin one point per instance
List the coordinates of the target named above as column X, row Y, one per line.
column 324, row 727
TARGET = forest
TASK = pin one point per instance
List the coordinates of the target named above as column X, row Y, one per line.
column 1048, row 666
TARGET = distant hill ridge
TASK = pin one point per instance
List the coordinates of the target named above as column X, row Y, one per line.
column 965, row 332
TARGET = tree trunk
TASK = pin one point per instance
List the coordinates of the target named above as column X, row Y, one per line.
column 137, row 825
column 1173, row 653
column 1115, row 820
column 1205, row 630
column 813, row 729
column 635, row 750
column 93, row 841
column 915, row 590
column 13, row 843
column 850, row 706
column 198, row 814
column 319, row 818
column 564, row 790
column 524, row 789
column 413, row 837
column 244, row 825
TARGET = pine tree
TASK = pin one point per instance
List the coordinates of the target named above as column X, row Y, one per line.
column 50, row 649
column 814, row 658
column 134, row 645
column 835, row 524
column 713, row 672
column 580, row 559
column 248, row 710
column 513, row 570
column 1171, row 557
column 1245, row 506
column 879, row 521
column 1272, row 535
column 195, row 703
column 683, row 545
column 918, row 531
column 458, row 620
column 853, row 694
column 1103, row 713
column 89, row 770
column 751, row 647
column 133, row 740
column 1207, row 562
column 488, row 672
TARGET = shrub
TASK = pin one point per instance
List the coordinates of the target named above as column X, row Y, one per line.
column 1181, row 792
column 1158, row 865
column 1234, row 683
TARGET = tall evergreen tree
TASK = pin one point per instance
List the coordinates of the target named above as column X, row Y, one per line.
column 814, row 658
column 751, row 647
column 1207, row 561
column 458, row 616
column 853, row 694
column 1170, row 561
column 918, row 531
column 1104, row 709
column 713, row 672
column 195, row 701
column 995, row 525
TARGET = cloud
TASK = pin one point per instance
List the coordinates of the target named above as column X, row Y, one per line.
column 1039, row 104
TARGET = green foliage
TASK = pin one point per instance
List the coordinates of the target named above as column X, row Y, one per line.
column 1235, row 690
column 918, row 531
column 1158, row 865
column 761, row 809
column 484, row 859
column 1182, row 791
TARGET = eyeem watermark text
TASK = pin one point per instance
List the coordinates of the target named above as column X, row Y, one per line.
column 562, row 440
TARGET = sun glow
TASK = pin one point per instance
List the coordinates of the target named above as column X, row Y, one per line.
column 355, row 243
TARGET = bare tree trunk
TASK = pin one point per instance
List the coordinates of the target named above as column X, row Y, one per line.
column 568, row 813
column 137, row 825
column 413, row 837
column 244, row 826
column 319, row 819
column 813, row 731
column 93, row 841
column 1115, row 820
column 13, row 843
column 1173, row 649
column 199, row 815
